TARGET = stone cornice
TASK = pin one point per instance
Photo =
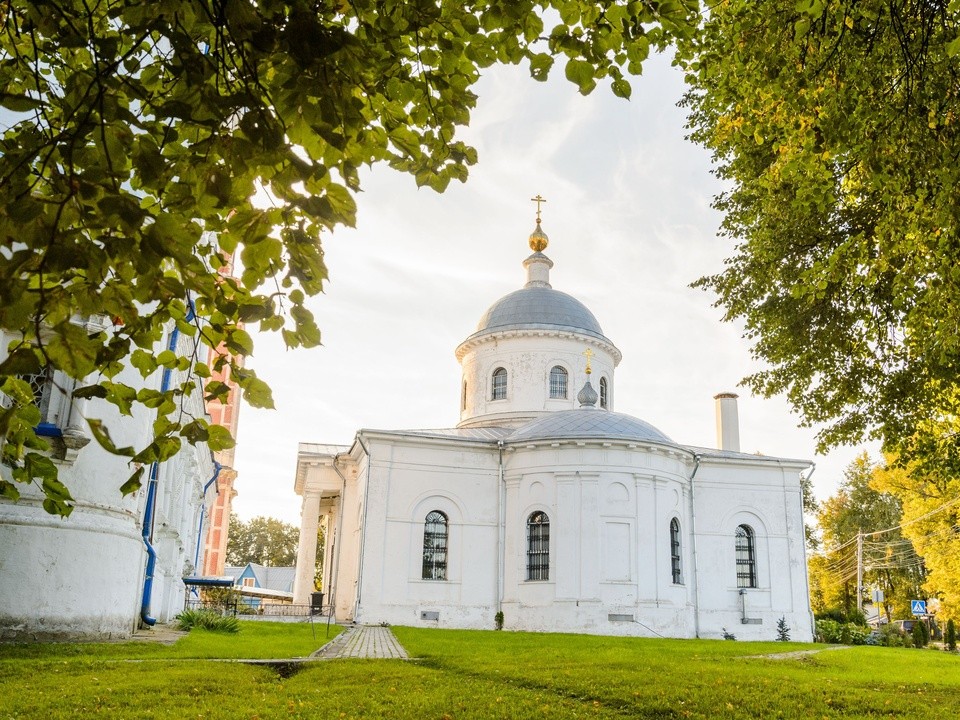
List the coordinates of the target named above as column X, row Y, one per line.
column 478, row 339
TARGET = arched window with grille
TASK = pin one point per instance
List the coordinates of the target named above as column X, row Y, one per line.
column 675, row 551
column 746, row 551
column 603, row 393
column 538, row 546
column 435, row 546
column 499, row 386
column 558, row 382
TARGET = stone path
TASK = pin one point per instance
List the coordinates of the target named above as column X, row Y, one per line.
column 363, row 641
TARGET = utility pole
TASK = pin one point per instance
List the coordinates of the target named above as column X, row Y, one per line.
column 860, row 570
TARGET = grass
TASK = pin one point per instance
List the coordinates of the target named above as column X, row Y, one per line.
column 256, row 639
column 464, row 674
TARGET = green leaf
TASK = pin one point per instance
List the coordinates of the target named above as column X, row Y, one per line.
column 102, row 435
column 540, row 65
column 219, row 438
column 581, row 73
column 133, row 483
column 257, row 393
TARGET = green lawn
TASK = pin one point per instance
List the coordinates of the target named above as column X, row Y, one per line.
column 462, row 674
column 256, row 639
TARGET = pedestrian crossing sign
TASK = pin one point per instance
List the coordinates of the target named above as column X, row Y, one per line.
column 918, row 607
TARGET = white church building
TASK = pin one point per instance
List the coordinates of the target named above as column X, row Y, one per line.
column 117, row 562
column 546, row 505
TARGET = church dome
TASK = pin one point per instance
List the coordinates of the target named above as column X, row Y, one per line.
column 536, row 307
column 586, row 424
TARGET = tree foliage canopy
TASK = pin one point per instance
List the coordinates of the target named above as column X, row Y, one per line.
column 836, row 128
column 142, row 130
column 889, row 560
column 931, row 522
column 262, row 540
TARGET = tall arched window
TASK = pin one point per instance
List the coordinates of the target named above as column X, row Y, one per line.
column 675, row 551
column 746, row 557
column 499, row 387
column 538, row 546
column 435, row 546
column 558, row 382
column 463, row 396
column 603, row 392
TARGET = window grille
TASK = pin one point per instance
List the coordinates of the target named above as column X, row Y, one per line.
column 746, row 557
column 603, row 393
column 538, row 546
column 435, row 546
column 675, row 551
column 499, row 384
column 558, row 382
column 41, row 384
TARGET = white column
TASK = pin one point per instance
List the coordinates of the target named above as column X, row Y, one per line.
column 307, row 549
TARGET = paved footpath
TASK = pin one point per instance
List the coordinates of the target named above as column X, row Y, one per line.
column 363, row 641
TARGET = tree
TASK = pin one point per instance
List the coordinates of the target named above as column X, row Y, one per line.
column 836, row 129
column 318, row 569
column 263, row 540
column 931, row 522
column 810, row 509
column 783, row 631
column 889, row 561
column 142, row 132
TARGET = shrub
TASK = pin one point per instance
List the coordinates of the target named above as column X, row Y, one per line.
column 857, row 633
column 830, row 631
column 207, row 620
column 838, row 615
column 498, row 620
column 857, row 617
column 835, row 614
column 890, row 636
column 951, row 637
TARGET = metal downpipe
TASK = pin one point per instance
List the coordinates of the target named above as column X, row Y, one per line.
column 217, row 467
column 693, row 536
column 149, row 511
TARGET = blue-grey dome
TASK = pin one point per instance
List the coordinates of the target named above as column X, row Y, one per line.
column 532, row 307
column 587, row 424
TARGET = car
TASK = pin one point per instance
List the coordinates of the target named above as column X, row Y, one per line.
column 904, row 626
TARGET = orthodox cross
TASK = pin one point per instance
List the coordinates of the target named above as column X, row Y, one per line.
column 538, row 199
column 589, row 353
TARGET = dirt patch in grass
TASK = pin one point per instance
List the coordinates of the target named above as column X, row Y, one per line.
column 796, row 654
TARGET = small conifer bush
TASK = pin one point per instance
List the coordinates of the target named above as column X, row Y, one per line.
column 919, row 636
column 950, row 639
column 783, row 632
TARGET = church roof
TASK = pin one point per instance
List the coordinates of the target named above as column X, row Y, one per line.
column 588, row 423
column 482, row 434
column 538, row 307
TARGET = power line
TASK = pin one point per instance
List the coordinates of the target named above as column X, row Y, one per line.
column 902, row 525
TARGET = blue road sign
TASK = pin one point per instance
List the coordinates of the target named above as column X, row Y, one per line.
column 918, row 607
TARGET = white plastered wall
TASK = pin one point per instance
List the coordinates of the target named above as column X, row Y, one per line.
column 528, row 356
column 81, row 577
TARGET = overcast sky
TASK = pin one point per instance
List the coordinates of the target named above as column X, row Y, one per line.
column 630, row 225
